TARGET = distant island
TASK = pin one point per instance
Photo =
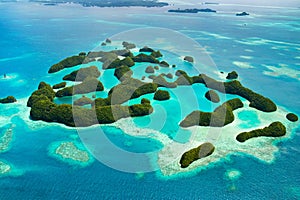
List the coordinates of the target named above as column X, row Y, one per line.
column 192, row 10
column 242, row 14
column 105, row 3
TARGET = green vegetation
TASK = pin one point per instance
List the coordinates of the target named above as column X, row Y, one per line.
column 292, row 117
column 161, row 95
column 221, row 116
column 146, row 49
column 129, row 88
column 45, row 91
column 275, row 129
column 164, row 64
column 233, row 87
column 156, row 54
column 149, row 69
column 117, row 63
column 88, row 85
column 67, row 62
column 83, row 73
column 83, row 101
column 8, row 99
column 145, row 58
column 123, row 72
column 145, row 101
column 204, row 150
column 212, row 96
column 232, row 75
column 59, row 85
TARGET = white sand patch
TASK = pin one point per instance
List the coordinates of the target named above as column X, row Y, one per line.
column 4, row 168
column 243, row 65
column 6, row 139
column 233, row 174
column 282, row 70
column 246, row 57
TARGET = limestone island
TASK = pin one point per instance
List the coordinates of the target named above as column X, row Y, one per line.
column 8, row 99
column 192, row 155
column 276, row 129
column 212, row 96
column 161, row 95
column 292, row 117
column 232, row 75
column 242, row 14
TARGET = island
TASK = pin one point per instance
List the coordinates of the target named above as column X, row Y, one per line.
column 202, row 151
column 242, row 14
column 149, row 70
column 232, row 75
column 292, row 117
column 189, row 59
column 192, row 10
column 59, row 85
column 275, row 129
column 212, row 96
column 8, row 99
column 221, row 116
column 161, row 95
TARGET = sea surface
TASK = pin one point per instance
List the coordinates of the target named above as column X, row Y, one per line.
column 263, row 48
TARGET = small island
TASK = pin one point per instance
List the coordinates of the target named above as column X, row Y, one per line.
column 8, row 99
column 242, row 14
column 232, row 75
column 161, row 95
column 292, row 117
column 59, row 85
column 212, row 96
column 189, row 59
column 275, row 129
column 204, row 150
column 149, row 70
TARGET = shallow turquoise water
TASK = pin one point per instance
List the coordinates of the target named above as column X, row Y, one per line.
column 33, row 37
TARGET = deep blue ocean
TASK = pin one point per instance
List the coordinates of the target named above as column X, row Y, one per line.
column 34, row 36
